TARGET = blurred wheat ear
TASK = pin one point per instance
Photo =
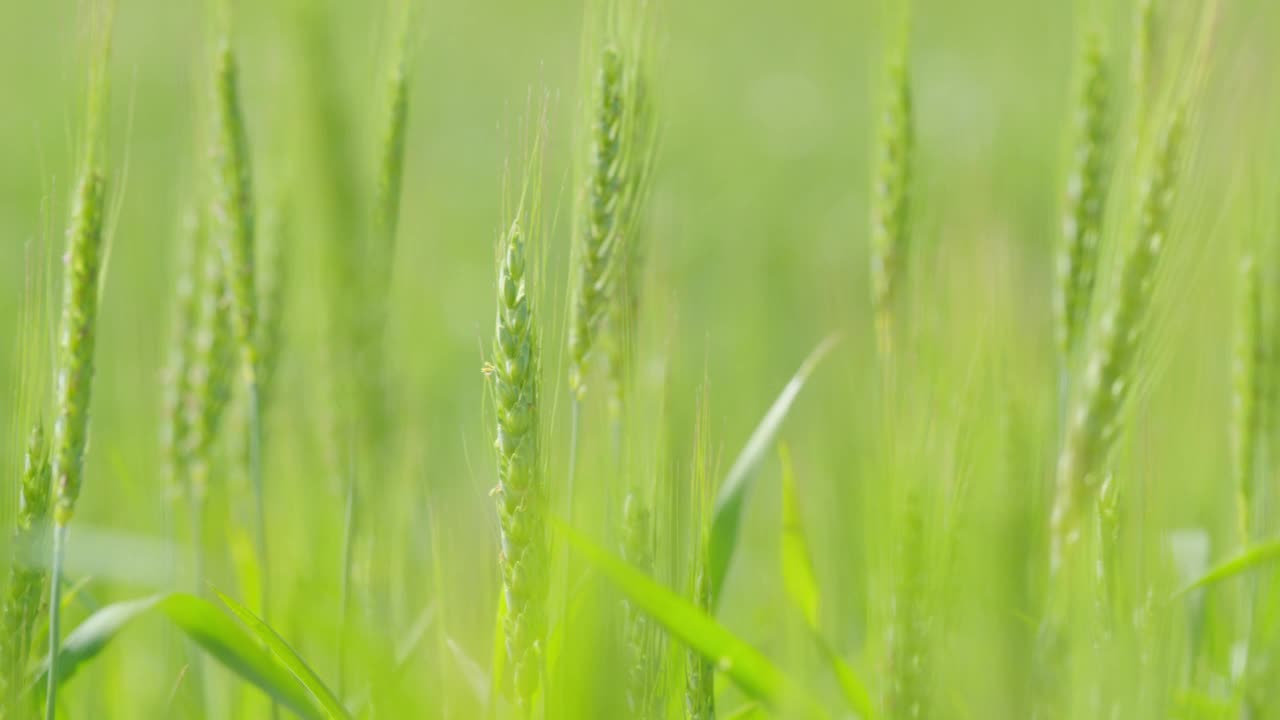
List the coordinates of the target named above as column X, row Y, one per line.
column 890, row 206
column 1109, row 371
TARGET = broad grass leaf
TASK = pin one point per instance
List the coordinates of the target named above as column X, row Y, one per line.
column 204, row 624
column 288, row 657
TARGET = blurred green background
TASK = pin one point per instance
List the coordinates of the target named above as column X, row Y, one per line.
column 757, row 230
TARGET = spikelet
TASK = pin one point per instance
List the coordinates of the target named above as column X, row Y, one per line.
column 638, row 551
column 76, row 343
column 597, row 256
column 391, row 160
column 908, row 688
column 25, row 593
column 272, row 280
column 181, row 334
column 232, row 220
column 1248, row 392
column 699, row 692
column 624, row 308
column 522, row 496
column 1085, row 203
column 371, row 388
column 208, row 382
column 890, row 207
column 1093, row 424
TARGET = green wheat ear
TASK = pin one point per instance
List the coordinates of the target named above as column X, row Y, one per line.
column 1094, row 422
column 521, row 492
column 638, row 551
column 26, row 578
column 76, row 339
column 76, row 345
column 907, row 693
column 890, row 207
column 181, row 336
column 1248, row 392
column 1086, row 202
column 232, row 221
column 597, row 251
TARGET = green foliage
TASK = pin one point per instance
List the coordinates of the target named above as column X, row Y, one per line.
column 751, row 670
column 208, row 627
column 727, row 514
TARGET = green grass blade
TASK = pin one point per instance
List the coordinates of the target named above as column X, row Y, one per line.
column 801, row 585
column 747, row 667
column 1249, row 559
column 851, row 685
column 207, row 626
column 288, row 657
column 729, row 502
column 746, row 712
column 797, row 564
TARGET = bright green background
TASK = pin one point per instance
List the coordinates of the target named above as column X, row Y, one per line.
column 757, row 227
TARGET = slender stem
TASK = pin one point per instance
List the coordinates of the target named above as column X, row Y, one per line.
column 574, row 436
column 197, row 499
column 348, row 544
column 573, row 456
column 260, row 512
column 55, row 619
column 255, row 477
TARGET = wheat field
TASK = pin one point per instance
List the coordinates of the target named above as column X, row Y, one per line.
column 640, row 359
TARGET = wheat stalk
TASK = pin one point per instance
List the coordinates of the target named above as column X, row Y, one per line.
column 75, row 361
column 1249, row 392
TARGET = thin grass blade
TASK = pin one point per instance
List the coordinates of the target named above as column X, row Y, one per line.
column 801, row 585
column 747, row 667
column 1250, row 559
column 729, row 502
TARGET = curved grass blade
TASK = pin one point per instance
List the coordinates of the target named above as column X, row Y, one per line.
column 851, row 685
column 472, row 673
column 801, row 585
column 797, row 564
column 751, row 670
column 728, row 508
column 746, row 712
column 207, row 626
column 1249, row 559
column 288, row 657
